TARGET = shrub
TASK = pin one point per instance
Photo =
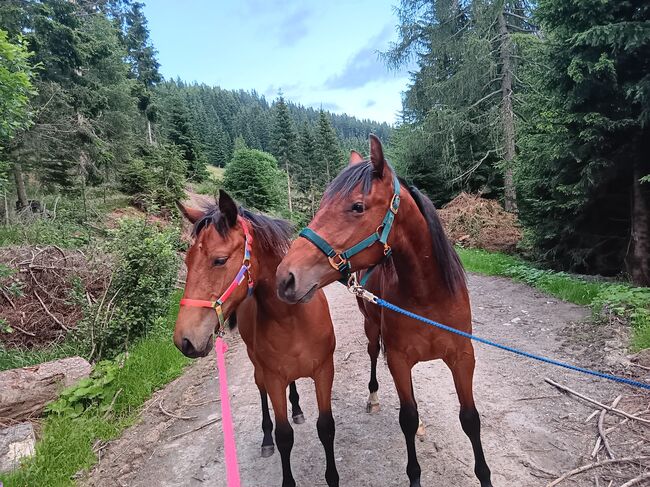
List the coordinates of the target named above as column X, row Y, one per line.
column 253, row 178
column 156, row 180
column 146, row 266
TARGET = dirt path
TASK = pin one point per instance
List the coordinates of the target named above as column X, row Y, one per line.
column 531, row 432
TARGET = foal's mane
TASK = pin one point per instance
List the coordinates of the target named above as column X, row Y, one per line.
column 447, row 259
column 273, row 234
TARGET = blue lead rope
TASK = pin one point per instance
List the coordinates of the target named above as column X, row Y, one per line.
column 613, row 378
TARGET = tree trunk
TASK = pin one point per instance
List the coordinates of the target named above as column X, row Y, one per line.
column 507, row 114
column 639, row 262
column 289, row 189
column 149, row 132
column 20, row 185
column 25, row 392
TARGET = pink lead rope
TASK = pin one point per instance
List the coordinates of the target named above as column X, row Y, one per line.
column 230, row 449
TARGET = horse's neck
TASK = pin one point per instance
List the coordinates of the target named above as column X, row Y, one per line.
column 265, row 291
column 416, row 266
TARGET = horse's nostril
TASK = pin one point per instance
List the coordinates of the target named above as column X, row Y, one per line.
column 290, row 283
column 187, row 348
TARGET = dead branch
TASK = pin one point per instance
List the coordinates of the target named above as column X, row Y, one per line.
column 593, row 401
column 6, row 296
column 28, row 333
column 194, row 429
column 637, row 480
column 172, row 415
column 49, row 313
column 601, row 429
column 590, row 466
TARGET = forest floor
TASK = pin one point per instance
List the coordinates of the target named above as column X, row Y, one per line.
column 531, row 432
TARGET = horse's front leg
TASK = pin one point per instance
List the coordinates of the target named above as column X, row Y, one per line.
column 277, row 389
column 462, row 369
column 400, row 369
column 323, row 380
column 373, row 335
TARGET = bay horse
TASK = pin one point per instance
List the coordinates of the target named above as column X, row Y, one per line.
column 284, row 342
column 408, row 261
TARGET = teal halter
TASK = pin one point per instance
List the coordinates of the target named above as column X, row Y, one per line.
column 341, row 260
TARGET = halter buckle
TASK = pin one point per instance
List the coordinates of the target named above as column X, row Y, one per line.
column 394, row 204
column 387, row 250
column 340, row 264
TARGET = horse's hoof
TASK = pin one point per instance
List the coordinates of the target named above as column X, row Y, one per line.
column 421, row 431
column 299, row 418
column 372, row 408
column 267, row 450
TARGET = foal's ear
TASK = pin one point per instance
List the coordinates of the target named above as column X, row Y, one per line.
column 377, row 155
column 228, row 208
column 355, row 158
column 192, row 214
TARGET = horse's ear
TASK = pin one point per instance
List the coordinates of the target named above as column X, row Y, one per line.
column 192, row 214
column 377, row 155
column 355, row 158
column 228, row 208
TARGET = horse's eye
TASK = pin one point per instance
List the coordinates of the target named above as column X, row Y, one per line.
column 219, row 261
column 357, row 207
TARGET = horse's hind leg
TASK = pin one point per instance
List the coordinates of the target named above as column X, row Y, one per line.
column 400, row 369
column 372, row 332
column 267, row 426
column 296, row 412
column 462, row 369
column 325, row 424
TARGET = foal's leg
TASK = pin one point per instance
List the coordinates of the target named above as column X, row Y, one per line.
column 462, row 369
column 267, row 426
column 372, row 332
column 400, row 369
column 277, row 389
column 325, row 424
column 296, row 412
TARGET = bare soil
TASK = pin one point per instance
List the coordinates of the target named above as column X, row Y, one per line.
column 532, row 433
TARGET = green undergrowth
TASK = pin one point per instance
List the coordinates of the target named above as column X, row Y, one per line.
column 100, row 408
column 626, row 301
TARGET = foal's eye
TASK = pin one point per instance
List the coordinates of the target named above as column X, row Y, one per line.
column 219, row 261
column 357, row 207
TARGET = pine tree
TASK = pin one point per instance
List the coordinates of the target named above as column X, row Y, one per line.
column 143, row 63
column 305, row 171
column 284, row 144
column 585, row 147
column 182, row 135
column 328, row 152
column 461, row 101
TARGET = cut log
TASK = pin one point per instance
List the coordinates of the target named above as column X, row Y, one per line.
column 25, row 392
column 16, row 443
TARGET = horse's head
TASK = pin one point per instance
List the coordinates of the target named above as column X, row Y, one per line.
column 354, row 207
column 214, row 259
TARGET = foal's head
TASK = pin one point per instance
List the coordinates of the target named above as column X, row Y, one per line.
column 213, row 260
column 353, row 207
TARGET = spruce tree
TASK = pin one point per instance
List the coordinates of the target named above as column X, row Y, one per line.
column 329, row 158
column 585, row 147
column 182, row 135
column 143, row 63
column 284, row 144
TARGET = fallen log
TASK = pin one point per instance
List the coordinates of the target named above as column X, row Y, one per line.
column 25, row 392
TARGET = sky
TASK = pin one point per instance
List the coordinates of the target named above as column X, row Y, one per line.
column 318, row 53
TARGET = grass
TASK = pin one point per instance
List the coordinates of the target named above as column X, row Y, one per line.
column 66, row 446
column 624, row 300
column 15, row 358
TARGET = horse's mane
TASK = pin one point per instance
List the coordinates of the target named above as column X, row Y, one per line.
column 273, row 234
column 447, row 259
